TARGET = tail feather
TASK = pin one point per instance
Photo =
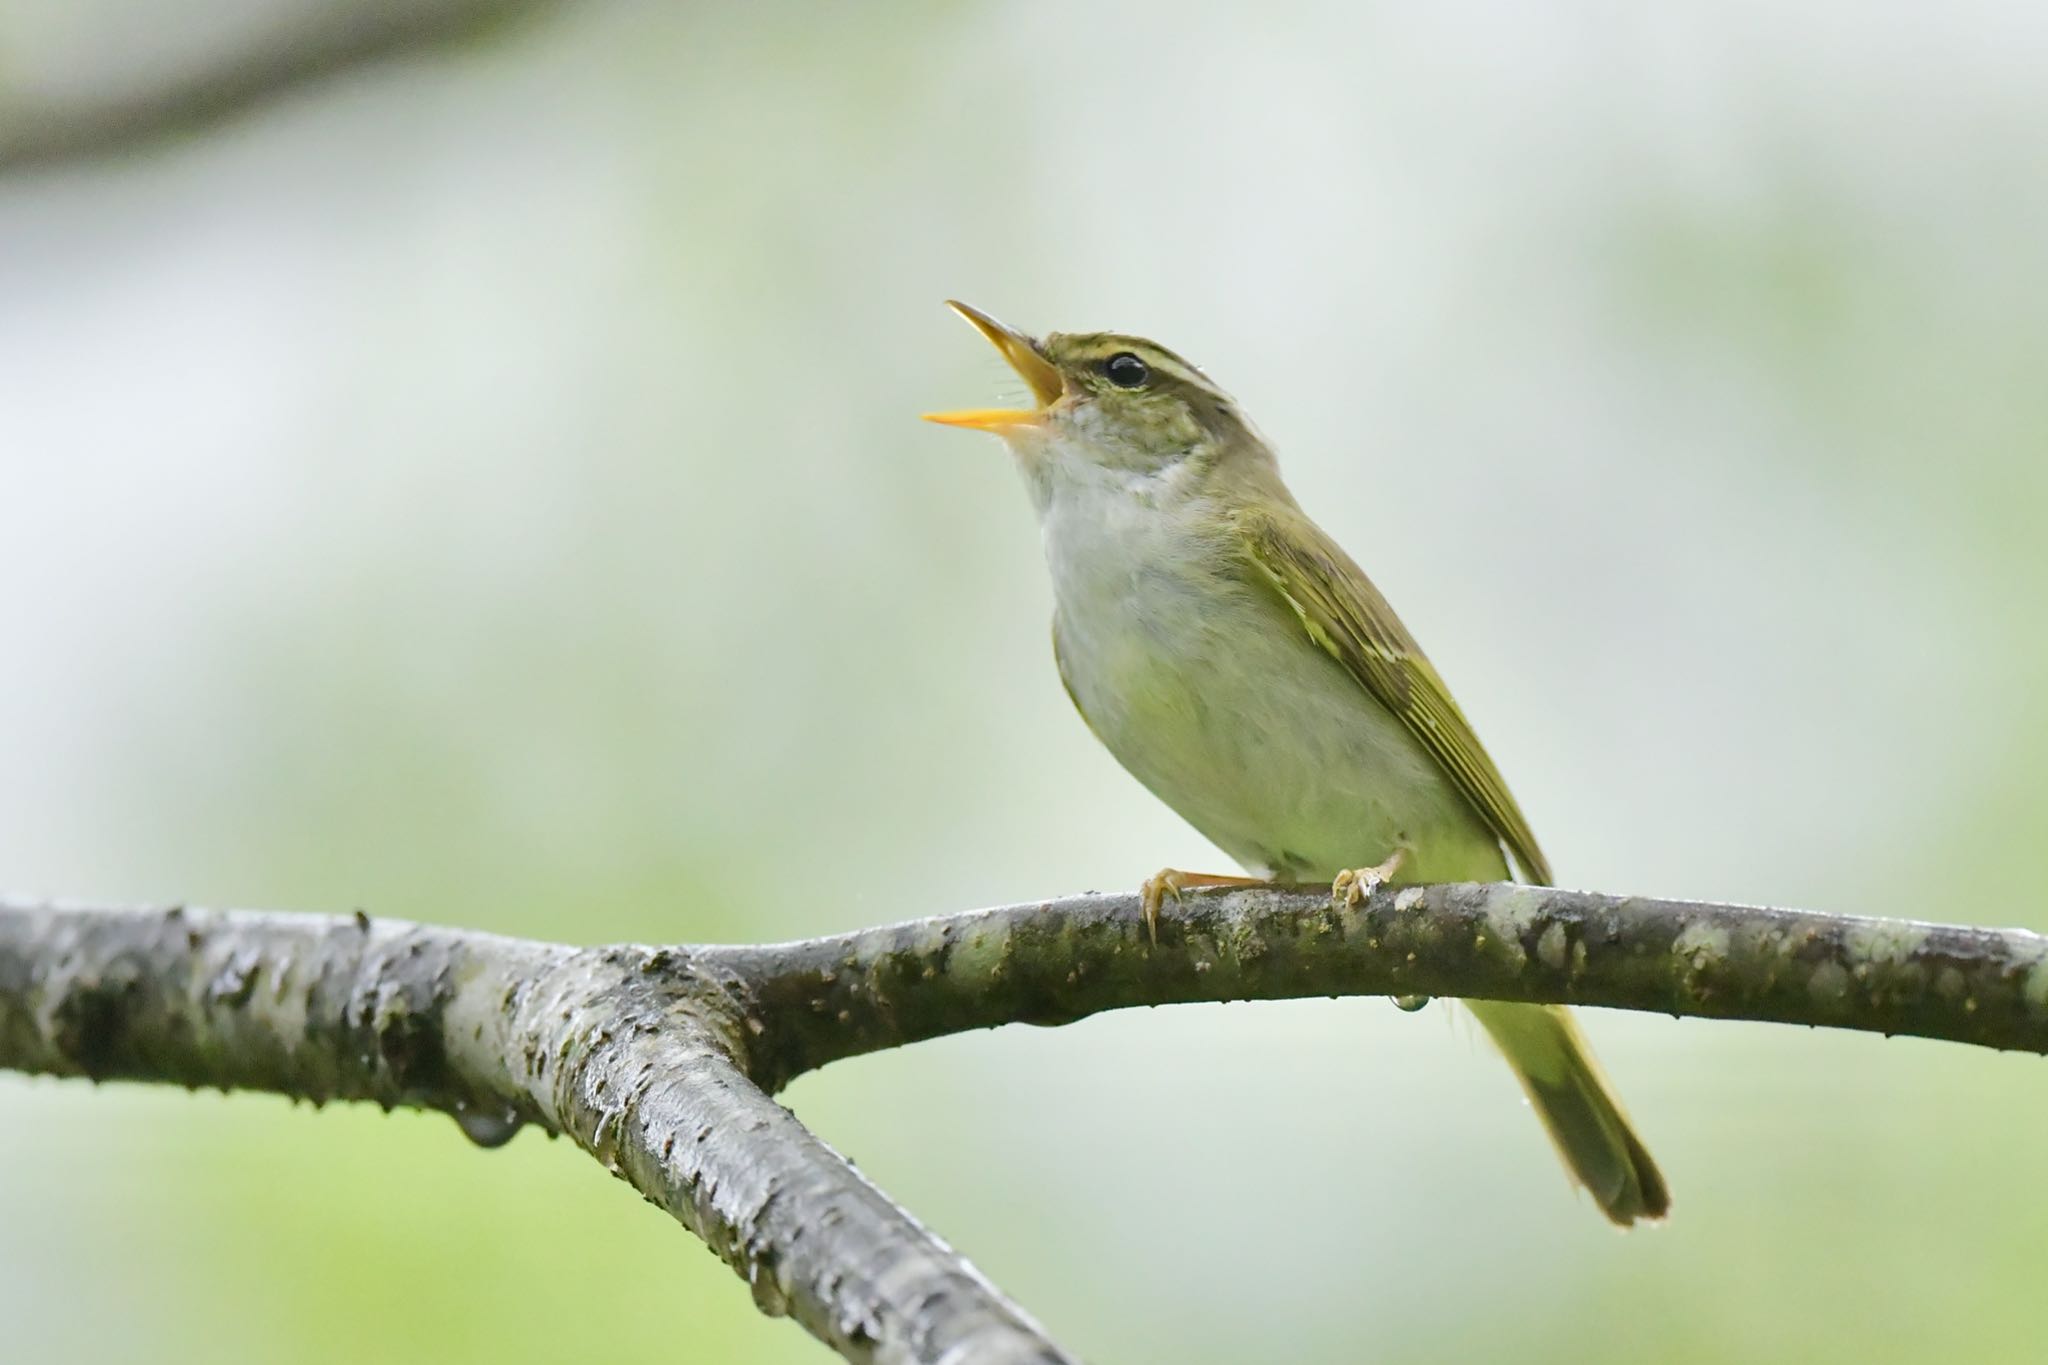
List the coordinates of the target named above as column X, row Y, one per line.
column 1578, row 1108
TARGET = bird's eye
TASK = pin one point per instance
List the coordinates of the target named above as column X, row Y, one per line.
column 1126, row 371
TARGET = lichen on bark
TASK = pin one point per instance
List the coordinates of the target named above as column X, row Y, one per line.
column 661, row 1062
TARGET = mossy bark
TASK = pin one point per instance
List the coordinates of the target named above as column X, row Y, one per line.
column 661, row 1061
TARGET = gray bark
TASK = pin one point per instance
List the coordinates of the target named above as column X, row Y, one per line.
column 634, row 1053
column 661, row 1062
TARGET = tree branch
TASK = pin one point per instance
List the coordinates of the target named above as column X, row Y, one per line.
column 1052, row 962
column 632, row 1052
column 660, row 1061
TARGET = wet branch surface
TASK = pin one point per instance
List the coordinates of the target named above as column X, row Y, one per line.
column 661, row 1061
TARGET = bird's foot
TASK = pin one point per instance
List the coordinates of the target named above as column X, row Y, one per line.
column 1169, row 881
column 1354, row 884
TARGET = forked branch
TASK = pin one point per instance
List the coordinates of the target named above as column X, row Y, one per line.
column 661, row 1061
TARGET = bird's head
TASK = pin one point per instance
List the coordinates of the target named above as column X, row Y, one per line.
column 1107, row 404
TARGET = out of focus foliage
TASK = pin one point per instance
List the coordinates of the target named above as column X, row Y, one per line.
column 484, row 488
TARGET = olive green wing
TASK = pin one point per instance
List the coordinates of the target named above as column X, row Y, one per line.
column 1345, row 614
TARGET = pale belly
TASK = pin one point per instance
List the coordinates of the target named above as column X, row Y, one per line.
column 1212, row 694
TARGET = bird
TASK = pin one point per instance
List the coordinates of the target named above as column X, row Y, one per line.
column 1237, row 662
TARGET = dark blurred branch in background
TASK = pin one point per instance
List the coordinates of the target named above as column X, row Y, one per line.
column 660, row 1061
column 116, row 85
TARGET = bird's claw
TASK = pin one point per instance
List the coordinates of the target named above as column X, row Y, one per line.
column 1152, row 895
column 1351, row 886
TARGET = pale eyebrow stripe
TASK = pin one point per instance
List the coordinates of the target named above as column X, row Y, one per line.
column 1102, row 345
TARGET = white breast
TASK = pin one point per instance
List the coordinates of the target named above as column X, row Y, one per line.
column 1208, row 690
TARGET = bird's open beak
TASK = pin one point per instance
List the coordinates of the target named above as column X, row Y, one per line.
column 1024, row 358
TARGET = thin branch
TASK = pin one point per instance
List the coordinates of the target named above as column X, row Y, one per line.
column 1052, row 962
column 274, row 55
column 660, row 1062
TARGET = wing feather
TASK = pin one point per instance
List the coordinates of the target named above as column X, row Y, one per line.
column 1345, row 614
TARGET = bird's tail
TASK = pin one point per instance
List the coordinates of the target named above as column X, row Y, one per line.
column 1577, row 1107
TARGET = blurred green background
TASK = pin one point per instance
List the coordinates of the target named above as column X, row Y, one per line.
column 484, row 487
